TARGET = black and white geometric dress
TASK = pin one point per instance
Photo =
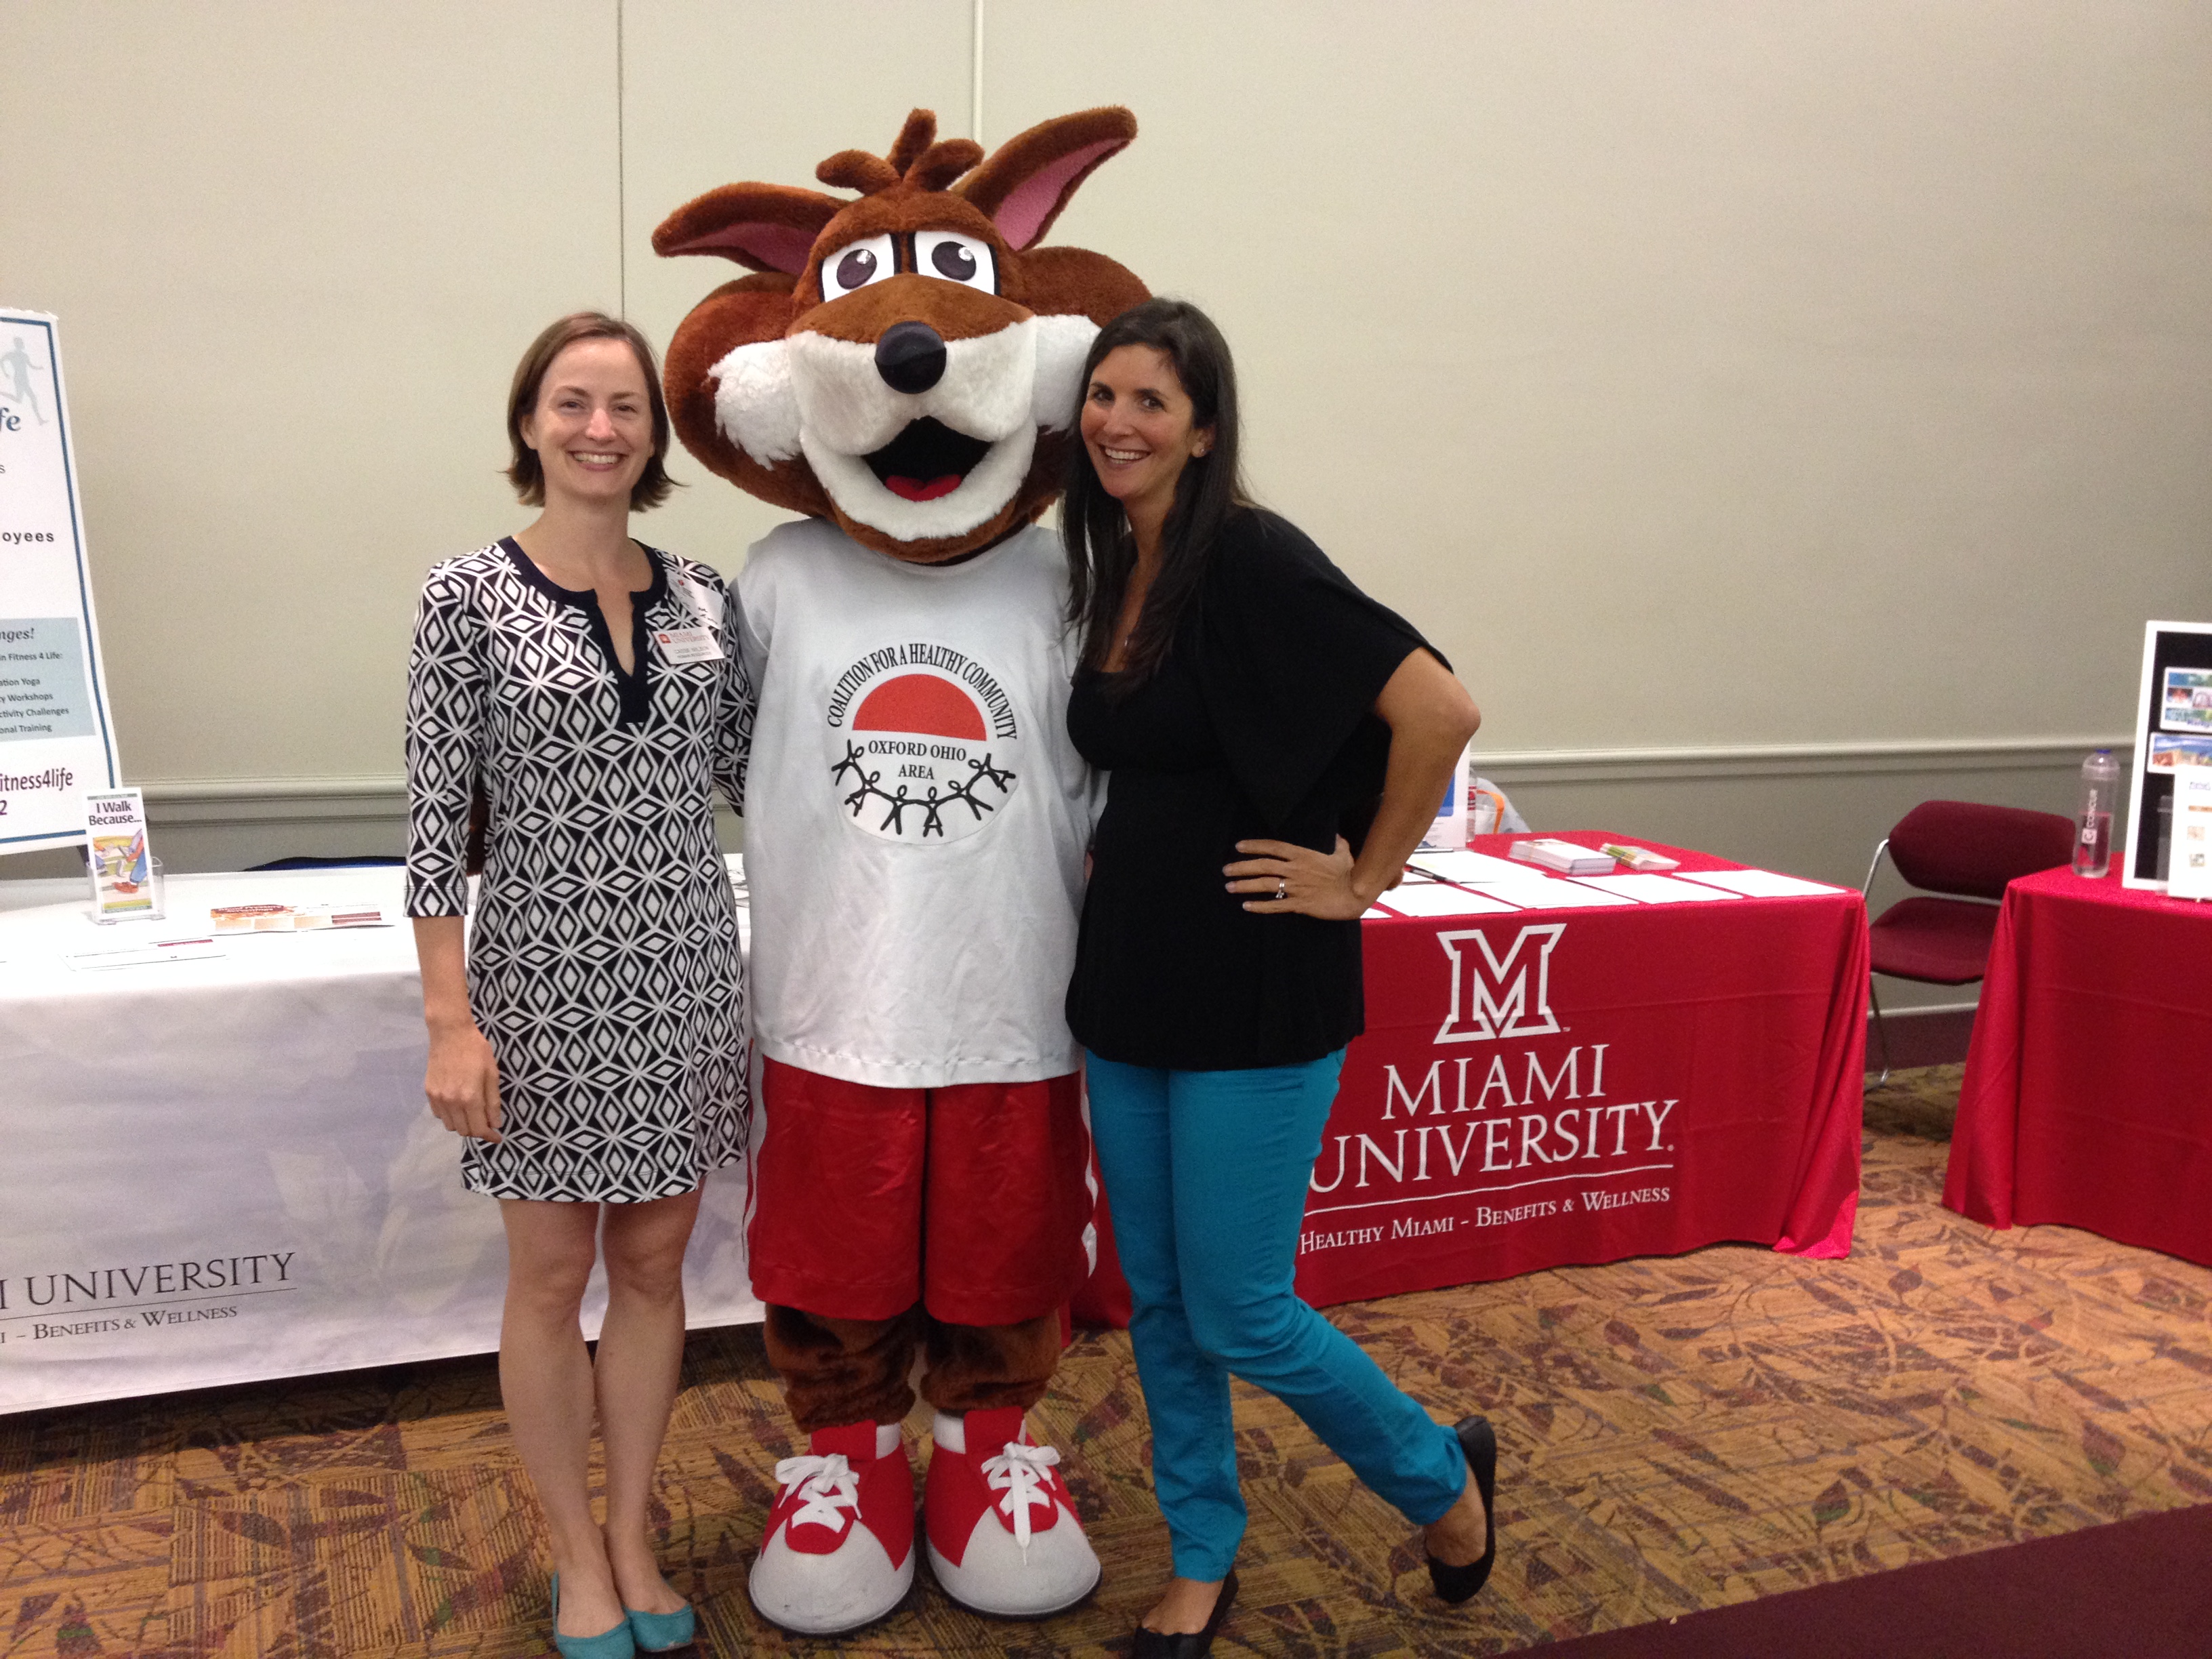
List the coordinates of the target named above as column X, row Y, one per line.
column 603, row 959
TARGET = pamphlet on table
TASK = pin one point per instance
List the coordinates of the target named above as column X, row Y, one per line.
column 2189, row 869
column 115, row 848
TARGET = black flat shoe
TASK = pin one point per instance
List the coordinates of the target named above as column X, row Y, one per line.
column 1188, row 1643
column 1457, row 1584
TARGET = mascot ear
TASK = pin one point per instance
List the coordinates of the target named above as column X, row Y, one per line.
column 1027, row 179
column 761, row 227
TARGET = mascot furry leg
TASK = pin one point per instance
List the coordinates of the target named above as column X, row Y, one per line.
column 901, row 370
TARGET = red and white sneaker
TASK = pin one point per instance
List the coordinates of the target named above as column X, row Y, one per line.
column 1002, row 1530
column 839, row 1551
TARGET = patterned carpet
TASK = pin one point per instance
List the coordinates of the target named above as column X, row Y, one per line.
column 1677, row 1434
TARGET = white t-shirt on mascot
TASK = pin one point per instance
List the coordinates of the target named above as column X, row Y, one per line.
column 915, row 816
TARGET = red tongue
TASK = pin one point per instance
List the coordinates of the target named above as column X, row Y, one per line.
column 913, row 490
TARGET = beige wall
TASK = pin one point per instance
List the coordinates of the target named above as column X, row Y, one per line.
column 295, row 250
column 1779, row 411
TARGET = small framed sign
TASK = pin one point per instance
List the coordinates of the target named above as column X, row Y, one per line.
column 2173, row 741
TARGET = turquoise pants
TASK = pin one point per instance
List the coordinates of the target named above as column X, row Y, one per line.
column 1206, row 1175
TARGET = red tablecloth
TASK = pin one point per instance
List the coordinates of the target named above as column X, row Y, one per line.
column 1547, row 1087
column 2088, row 1098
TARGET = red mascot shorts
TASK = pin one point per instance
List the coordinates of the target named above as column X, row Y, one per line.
column 971, row 1200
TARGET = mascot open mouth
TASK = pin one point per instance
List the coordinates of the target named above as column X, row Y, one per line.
column 927, row 460
column 906, row 465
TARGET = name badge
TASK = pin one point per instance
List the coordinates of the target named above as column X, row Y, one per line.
column 687, row 644
column 702, row 599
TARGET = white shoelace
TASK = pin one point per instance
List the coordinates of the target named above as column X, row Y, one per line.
column 1018, row 1471
column 826, row 1485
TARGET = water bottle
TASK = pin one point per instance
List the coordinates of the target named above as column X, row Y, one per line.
column 2092, row 836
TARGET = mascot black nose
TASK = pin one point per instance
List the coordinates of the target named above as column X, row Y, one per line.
column 910, row 357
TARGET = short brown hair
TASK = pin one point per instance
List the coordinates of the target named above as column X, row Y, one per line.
column 527, row 472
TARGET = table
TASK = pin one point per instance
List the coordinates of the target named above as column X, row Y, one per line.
column 222, row 1170
column 1548, row 1086
column 2088, row 1096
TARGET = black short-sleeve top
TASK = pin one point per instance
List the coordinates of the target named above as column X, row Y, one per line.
column 1258, row 723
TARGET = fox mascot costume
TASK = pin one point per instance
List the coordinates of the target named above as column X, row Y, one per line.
column 903, row 370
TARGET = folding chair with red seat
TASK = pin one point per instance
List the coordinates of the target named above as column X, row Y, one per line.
column 1962, row 848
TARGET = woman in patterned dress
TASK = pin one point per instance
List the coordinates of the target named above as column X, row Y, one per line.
column 590, row 1041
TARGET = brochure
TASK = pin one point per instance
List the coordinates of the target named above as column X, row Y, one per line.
column 122, row 865
column 2189, row 868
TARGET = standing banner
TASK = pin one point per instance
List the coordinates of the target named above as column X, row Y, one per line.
column 54, row 739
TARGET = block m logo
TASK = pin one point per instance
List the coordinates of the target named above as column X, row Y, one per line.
column 1490, row 993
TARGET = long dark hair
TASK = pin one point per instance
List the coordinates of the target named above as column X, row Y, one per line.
column 1101, row 553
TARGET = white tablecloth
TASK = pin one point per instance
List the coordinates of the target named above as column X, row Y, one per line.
column 222, row 1170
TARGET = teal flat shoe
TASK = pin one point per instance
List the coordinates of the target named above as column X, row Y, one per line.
column 611, row 1643
column 663, row 1632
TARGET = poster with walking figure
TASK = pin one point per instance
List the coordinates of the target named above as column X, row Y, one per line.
column 55, row 741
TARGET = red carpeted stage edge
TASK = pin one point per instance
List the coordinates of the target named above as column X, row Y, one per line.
column 2133, row 1589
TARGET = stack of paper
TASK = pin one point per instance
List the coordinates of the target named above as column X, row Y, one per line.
column 1640, row 858
column 1563, row 856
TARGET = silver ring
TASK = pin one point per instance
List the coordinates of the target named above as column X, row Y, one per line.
column 1282, row 886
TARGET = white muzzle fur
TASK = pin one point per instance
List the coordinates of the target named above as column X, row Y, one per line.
column 810, row 395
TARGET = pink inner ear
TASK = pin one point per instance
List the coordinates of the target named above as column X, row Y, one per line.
column 780, row 247
column 1030, row 203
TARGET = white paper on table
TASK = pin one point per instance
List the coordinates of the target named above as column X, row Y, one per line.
column 1376, row 913
column 1468, row 868
column 1654, row 889
column 1435, row 899
column 146, row 953
column 1758, row 884
column 1535, row 892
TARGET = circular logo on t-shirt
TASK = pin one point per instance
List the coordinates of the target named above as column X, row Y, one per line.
column 923, row 742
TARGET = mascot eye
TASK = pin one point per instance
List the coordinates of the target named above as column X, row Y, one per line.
column 856, row 265
column 958, row 259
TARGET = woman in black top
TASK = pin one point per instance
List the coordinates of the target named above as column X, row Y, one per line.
column 1260, row 715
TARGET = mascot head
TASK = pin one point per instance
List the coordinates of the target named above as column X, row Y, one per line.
column 905, row 364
